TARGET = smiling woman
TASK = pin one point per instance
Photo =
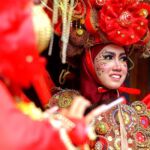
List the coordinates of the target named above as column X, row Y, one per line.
column 103, row 72
column 111, row 66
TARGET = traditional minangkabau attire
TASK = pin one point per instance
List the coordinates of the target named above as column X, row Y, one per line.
column 124, row 23
column 124, row 126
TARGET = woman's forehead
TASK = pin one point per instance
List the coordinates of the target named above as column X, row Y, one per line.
column 113, row 48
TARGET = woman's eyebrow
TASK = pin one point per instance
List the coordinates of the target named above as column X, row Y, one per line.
column 113, row 53
column 123, row 54
column 108, row 52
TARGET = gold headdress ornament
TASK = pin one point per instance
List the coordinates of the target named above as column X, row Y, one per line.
column 42, row 27
column 79, row 13
column 64, row 12
column 66, row 8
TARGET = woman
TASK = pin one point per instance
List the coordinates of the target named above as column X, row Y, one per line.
column 104, row 70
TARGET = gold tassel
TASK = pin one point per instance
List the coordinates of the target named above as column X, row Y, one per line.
column 67, row 11
column 54, row 21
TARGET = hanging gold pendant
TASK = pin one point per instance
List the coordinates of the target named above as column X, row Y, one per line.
column 42, row 27
column 80, row 31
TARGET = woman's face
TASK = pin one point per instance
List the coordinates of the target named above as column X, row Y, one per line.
column 111, row 66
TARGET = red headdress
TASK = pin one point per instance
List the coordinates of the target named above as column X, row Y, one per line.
column 89, row 79
column 124, row 22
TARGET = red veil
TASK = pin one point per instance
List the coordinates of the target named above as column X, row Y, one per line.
column 89, row 82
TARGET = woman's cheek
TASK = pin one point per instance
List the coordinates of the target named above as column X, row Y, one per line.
column 125, row 68
column 98, row 71
column 100, row 68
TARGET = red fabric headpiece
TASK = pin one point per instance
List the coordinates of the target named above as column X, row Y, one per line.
column 89, row 82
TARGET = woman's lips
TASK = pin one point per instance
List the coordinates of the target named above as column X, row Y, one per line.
column 115, row 76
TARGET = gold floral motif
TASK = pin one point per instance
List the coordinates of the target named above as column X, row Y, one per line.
column 138, row 136
column 101, row 127
column 64, row 98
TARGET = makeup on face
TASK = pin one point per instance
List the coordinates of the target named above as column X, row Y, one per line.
column 111, row 66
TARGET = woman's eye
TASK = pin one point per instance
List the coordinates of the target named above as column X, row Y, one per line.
column 124, row 59
column 108, row 57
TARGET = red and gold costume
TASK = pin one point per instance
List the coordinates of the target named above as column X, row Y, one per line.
column 22, row 125
column 123, row 22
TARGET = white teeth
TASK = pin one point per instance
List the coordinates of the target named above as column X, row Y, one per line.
column 116, row 76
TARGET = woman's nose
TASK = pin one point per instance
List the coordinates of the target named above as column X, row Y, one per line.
column 117, row 65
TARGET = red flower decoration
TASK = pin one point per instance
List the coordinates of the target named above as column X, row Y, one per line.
column 122, row 21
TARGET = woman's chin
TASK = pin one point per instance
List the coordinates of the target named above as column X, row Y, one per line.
column 113, row 87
